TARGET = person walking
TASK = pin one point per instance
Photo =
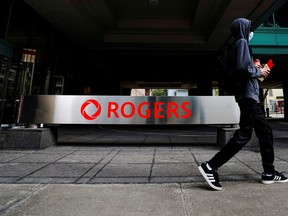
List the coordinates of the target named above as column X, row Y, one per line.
column 252, row 115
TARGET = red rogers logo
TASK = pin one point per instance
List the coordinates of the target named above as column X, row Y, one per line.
column 129, row 109
column 96, row 104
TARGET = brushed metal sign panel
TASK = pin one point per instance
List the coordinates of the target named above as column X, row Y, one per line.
column 74, row 109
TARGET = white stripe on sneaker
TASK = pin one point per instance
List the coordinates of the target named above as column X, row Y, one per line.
column 211, row 177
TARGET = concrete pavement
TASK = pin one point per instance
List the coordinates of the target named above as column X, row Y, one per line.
column 138, row 171
column 168, row 199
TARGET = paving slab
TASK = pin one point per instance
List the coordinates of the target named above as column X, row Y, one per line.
column 167, row 199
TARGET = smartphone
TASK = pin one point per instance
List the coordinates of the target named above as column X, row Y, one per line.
column 270, row 64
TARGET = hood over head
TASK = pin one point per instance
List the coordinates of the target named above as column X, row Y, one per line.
column 241, row 28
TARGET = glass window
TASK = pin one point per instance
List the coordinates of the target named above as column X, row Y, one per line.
column 278, row 19
column 281, row 17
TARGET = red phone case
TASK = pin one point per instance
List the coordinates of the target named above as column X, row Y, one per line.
column 270, row 63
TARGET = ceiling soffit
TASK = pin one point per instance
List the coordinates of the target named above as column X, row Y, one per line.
column 184, row 24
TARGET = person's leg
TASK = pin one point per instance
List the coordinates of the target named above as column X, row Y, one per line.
column 265, row 135
column 241, row 137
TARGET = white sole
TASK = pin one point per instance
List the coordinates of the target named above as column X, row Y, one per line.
column 271, row 182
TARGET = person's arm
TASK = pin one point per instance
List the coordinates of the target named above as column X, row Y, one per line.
column 244, row 60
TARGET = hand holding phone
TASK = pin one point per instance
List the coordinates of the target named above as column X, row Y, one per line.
column 268, row 66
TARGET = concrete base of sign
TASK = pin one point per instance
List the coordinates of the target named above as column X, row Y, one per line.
column 224, row 135
column 29, row 138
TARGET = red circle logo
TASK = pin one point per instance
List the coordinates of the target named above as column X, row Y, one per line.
column 87, row 103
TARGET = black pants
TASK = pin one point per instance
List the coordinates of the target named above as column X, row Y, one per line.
column 252, row 115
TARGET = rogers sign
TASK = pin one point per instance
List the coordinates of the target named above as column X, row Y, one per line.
column 145, row 110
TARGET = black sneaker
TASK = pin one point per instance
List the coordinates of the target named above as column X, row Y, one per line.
column 272, row 178
column 211, row 176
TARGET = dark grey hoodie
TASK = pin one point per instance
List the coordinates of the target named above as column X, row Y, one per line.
column 240, row 29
